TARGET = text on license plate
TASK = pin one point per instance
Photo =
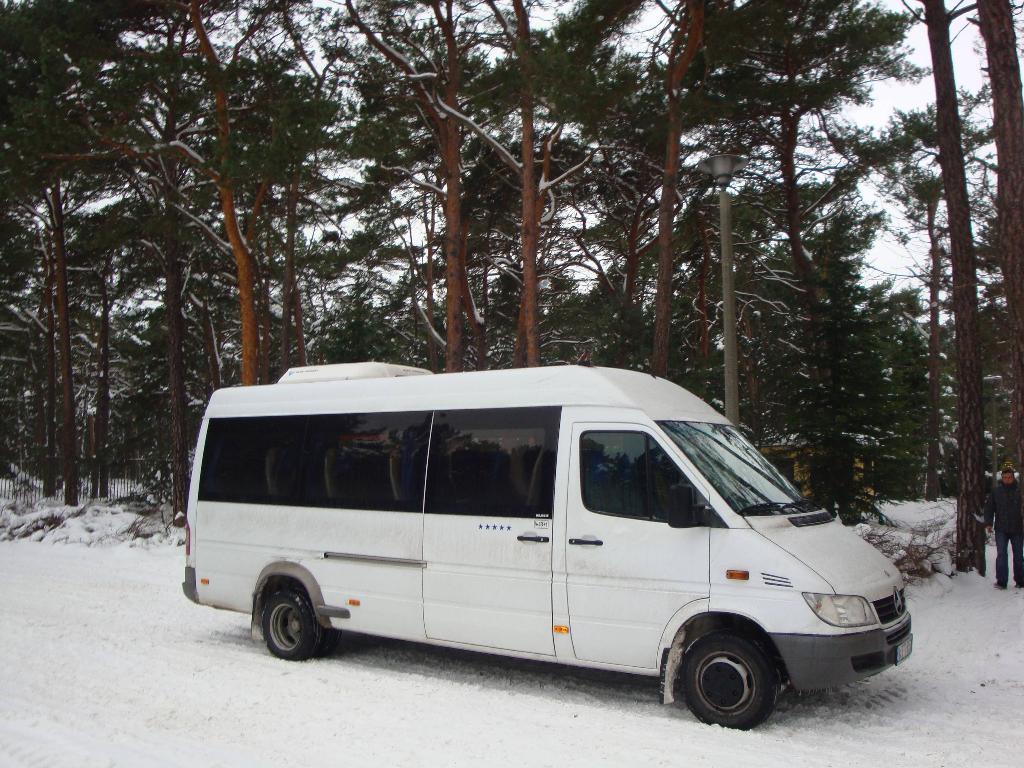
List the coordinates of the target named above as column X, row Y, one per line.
column 903, row 649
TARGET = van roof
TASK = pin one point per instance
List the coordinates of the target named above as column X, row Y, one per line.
column 519, row 387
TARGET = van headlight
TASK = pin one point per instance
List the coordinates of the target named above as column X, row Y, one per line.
column 841, row 610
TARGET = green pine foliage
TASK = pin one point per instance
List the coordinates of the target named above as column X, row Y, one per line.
column 859, row 407
column 116, row 100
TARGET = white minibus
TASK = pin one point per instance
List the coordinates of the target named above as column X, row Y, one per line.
column 581, row 515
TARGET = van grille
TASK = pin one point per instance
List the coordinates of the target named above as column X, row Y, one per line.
column 889, row 608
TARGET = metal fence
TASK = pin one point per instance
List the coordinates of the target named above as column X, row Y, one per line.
column 125, row 481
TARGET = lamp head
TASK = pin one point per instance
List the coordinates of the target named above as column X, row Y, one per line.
column 722, row 167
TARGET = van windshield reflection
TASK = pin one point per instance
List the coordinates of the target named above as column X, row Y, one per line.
column 742, row 476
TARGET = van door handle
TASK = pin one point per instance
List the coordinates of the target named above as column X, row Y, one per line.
column 538, row 539
column 587, row 542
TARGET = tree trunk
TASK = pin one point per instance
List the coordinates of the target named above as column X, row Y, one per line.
column 50, row 339
column 687, row 40
column 632, row 258
column 431, row 344
column 451, row 161
column 266, row 318
column 970, row 447
column 100, row 454
column 627, row 297
column 666, row 228
column 484, row 298
column 226, row 193
column 996, row 21
column 175, row 360
column 931, row 488
column 452, row 224
column 530, row 224
column 448, row 135
column 210, row 347
column 801, row 263
column 261, row 275
column 91, row 464
column 300, row 334
column 288, row 285
column 246, row 289
column 453, row 282
column 69, row 438
column 476, row 321
column 702, row 290
column 753, row 382
column 39, row 405
column 519, row 350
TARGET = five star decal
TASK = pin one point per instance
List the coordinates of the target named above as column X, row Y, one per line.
column 489, row 527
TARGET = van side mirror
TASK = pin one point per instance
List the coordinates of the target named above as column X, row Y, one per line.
column 685, row 510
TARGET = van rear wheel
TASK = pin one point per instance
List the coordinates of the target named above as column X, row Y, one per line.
column 290, row 626
column 728, row 680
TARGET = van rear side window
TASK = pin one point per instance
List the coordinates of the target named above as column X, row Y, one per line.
column 253, row 460
column 367, row 461
column 493, row 462
column 490, row 462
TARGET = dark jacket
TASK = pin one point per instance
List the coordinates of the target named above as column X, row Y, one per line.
column 1003, row 507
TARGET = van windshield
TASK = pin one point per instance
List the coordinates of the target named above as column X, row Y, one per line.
column 745, row 479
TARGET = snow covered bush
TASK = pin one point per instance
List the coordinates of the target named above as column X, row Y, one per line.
column 88, row 524
column 917, row 537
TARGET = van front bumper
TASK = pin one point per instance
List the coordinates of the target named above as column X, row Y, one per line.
column 815, row 662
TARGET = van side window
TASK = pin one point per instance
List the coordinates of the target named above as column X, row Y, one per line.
column 252, row 460
column 367, row 461
column 627, row 474
column 493, row 462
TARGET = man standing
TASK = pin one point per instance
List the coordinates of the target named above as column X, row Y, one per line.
column 1003, row 512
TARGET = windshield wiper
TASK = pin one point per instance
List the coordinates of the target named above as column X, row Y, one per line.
column 763, row 508
column 777, row 507
column 804, row 505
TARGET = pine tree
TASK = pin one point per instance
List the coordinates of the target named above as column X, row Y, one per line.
column 997, row 29
column 970, row 551
column 859, row 420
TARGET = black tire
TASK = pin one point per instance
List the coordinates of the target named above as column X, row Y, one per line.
column 330, row 639
column 290, row 627
column 729, row 680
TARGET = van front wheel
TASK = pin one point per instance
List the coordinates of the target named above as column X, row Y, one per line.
column 330, row 639
column 290, row 627
column 728, row 680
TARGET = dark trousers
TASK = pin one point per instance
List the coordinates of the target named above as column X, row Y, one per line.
column 1016, row 542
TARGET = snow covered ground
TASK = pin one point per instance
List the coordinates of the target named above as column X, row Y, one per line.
column 106, row 663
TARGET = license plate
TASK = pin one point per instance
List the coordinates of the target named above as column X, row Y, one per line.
column 903, row 649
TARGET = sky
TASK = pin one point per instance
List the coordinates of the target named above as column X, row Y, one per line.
column 889, row 257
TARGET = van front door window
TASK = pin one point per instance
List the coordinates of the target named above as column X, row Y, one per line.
column 627, row 474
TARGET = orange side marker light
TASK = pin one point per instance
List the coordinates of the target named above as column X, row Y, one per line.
column 353, row 601
column 738, row 575
column 204, row 582
column 560, row 629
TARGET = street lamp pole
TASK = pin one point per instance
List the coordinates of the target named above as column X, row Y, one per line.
column 732, row 380
column 722, row 168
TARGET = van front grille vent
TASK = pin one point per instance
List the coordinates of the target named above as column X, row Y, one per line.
column 771, row 580
column 898, row 635
column 818, row 518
